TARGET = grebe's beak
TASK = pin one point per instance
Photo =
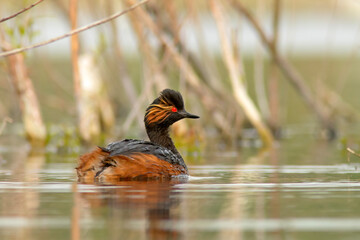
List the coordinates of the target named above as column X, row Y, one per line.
column 185, row 114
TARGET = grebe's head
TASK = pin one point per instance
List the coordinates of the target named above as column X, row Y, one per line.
column 166, row 109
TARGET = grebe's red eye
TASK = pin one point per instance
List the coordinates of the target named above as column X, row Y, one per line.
column 174, row 109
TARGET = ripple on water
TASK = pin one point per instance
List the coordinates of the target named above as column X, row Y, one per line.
column 338, row 169
column 291, row 224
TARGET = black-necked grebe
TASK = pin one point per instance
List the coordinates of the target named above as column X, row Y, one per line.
column 137, row 159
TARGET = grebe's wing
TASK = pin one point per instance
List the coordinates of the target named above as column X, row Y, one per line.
column 130, row 147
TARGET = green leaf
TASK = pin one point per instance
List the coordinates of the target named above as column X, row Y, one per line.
column 22, row 30
column 9, row 31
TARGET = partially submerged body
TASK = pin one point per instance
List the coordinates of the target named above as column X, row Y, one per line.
column 130, row 160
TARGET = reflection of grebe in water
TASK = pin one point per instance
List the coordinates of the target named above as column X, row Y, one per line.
column 136, row 159
column 156, row 202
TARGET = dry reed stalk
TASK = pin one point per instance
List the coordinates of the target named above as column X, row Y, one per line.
column 206, row 96
column 352, row 152
column 94, row 109
column 174, row 26
column 85, row 110
column 238, row 112
column 103, row 107
column 73, row 6
column 339, row 107
column 151, row 61
column 34, row 127
column 259, row 78
column 5, row 121
column 166, row 21
column 88, row 119
column 207, row 70
column 203, row 66
column 239, row 91
column 290, row 72
column 274, row 120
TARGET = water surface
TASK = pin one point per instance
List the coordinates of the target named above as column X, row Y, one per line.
column 292, row 192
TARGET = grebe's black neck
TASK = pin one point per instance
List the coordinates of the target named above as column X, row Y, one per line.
column 160, row 135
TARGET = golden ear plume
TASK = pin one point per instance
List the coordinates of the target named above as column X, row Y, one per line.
column 157, row 113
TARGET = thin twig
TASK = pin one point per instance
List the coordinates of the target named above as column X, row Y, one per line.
column 75, row 31
column 5, row 121
column 20, row 12
column 352, row 152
